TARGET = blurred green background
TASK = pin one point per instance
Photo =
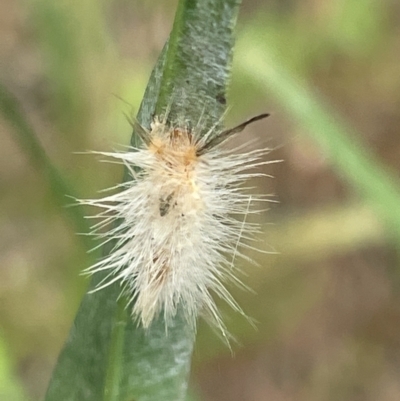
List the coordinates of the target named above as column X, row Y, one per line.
column 328, row 304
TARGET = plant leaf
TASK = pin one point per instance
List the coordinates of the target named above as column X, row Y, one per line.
column 107, row 356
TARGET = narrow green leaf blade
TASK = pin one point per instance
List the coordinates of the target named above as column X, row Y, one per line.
column 198, row 61
column 107, row 356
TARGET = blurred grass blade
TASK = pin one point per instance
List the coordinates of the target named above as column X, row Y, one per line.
column 29, row 142
column 338, row 142
column 107, row 356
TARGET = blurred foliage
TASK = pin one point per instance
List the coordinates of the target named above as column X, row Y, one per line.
column 327, row 306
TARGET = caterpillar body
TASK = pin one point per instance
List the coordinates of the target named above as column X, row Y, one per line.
column 180, row 221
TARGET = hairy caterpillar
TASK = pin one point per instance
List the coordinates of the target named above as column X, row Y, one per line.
column 178, row 235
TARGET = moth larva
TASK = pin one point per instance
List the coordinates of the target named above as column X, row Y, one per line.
column 178, row 234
